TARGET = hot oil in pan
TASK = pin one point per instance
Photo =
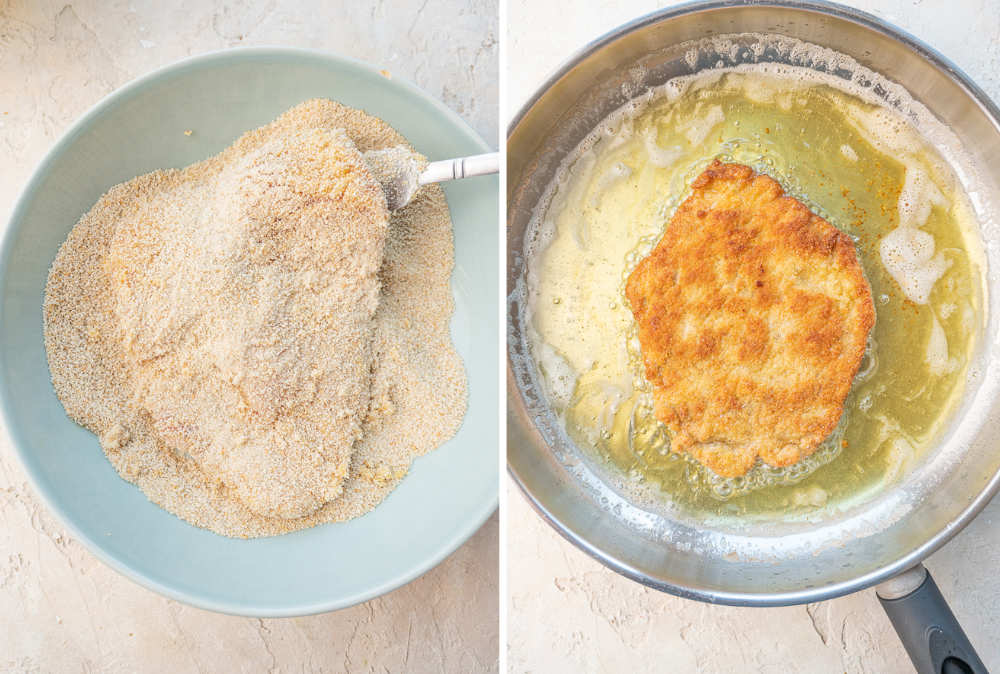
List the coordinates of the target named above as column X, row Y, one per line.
column 861, row 169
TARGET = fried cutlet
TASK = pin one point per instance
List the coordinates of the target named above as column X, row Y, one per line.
column 753, row 316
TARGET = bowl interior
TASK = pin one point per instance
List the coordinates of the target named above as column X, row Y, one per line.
column 139, row 128
column 778, row 562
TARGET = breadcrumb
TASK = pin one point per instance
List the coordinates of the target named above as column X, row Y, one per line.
column 227, row 411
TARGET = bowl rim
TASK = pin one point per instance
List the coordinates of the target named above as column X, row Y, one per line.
column 477, row 516
column 819, row 592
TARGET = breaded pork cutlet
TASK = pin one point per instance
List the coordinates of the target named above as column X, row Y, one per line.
column 753, row 316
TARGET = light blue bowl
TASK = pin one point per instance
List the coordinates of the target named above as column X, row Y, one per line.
column 448, row 493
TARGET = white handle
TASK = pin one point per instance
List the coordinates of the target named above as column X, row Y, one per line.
column 463, row 167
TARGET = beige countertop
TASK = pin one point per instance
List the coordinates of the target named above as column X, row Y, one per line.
column 566, row 612
column 61, row 610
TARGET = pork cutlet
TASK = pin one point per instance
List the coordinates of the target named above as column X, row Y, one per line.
column 753, row 316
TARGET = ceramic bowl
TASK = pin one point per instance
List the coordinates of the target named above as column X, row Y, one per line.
column 139, row 128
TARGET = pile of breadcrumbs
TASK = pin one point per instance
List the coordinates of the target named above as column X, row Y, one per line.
column 259, row 344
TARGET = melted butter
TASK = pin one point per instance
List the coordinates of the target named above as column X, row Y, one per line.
column 856, row 165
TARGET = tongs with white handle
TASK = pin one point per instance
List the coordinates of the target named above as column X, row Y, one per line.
column 401, row 173
column 463, row 167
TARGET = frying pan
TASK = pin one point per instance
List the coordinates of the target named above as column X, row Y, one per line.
column 879, row 541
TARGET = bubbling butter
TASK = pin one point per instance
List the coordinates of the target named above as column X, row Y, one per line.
column 936, row 357
column 656, row 155
column 863, row 169
column 908, row 255
column 908, row 252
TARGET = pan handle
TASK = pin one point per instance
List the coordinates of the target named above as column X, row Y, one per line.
column 928, row 629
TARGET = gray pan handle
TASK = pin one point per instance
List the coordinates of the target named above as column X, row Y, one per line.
column 928, row 629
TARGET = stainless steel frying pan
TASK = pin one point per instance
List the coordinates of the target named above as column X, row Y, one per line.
column 882, row 540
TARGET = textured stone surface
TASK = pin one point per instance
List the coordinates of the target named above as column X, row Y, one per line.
column 568, row 613
column 61, row 610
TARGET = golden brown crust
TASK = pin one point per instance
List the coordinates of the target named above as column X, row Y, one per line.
column 753, row 317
